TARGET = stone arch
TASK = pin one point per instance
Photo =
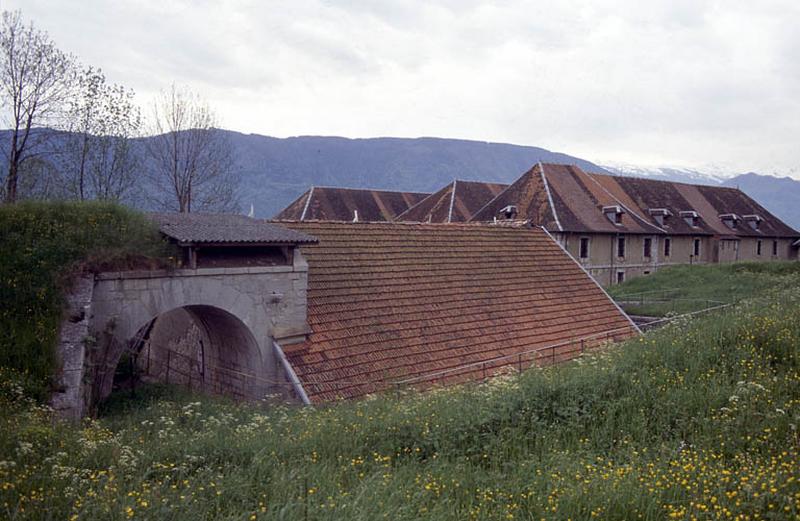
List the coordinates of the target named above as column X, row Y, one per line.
column 227, row 311
column 202, row 347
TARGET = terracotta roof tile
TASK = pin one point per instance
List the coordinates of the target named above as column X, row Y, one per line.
column 392, row 301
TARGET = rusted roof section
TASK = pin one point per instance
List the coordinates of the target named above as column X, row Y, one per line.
column 528, row 195
column 563, row 198
column 321, row 203
column 708, row 201
column 224, row 228
column 732, row 200
column 456, row 202
column 647, row 196
column 390, row 301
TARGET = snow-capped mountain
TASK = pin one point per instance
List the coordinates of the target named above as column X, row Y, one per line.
column 779, row 195
column 711, row 175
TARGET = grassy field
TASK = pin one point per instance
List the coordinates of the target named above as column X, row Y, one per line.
column 698, row 420
column 683, row 289
column 41, row 246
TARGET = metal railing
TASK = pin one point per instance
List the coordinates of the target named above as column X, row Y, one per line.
column 216, row 376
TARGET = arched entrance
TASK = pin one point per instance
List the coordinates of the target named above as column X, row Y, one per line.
column 201, row 347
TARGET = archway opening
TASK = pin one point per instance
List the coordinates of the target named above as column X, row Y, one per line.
column 202, row 348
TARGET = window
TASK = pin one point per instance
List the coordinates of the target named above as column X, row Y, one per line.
column 620, row 277
column 584, row 249
column 614, row 213
column 775, row 248
column 758, row 247
column 731, row 220
column 691, row 217
column 697, row 247
column 648, row 247
column 620, row 246
column 667, row 247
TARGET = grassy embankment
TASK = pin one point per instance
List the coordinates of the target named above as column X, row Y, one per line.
column 698, row 420
column 683, row 289
column 42, row 245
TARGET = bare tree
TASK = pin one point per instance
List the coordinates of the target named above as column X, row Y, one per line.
column 35, row 80
column 98, row 158
column 191, row 160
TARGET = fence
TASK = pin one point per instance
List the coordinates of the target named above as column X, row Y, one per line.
column 214, row 375
column 662, row 302
column 201, row 372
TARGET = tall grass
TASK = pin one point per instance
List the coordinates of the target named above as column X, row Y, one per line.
column 723, row 282
column 41, row 246
column 695, row 421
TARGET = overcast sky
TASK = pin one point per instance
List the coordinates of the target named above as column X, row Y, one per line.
column 658, row 82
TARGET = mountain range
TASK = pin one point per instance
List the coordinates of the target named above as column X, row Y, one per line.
column 275, row 171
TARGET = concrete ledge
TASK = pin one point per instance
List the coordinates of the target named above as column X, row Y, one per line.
column 282, row 333
column 200, row 272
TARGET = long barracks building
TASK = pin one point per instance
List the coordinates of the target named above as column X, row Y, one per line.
column 616, row 227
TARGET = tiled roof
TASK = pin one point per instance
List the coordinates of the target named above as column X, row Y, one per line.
column 562, row 198
column 388, row 301
column 456, row 202
column 321, row 203
column 646, row 194
column 224, row 228
column 565, row 198
column 708, row 201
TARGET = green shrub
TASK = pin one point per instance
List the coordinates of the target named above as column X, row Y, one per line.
column 41, row 246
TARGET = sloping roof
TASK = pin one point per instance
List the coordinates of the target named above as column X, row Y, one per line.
column 646, row 194
column 456, row 202
column 732, row 200
column 563, row 198
column 708, row 201
column 322, row 203
column 393, row 300
column 224, row 228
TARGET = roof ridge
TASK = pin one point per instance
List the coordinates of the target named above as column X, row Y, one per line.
column 506, row 189
column 323, row 187
column 308, row 201
column 550, row 197
column 452, row 201
column 402, row 214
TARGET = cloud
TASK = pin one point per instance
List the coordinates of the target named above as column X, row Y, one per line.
column 674, row 81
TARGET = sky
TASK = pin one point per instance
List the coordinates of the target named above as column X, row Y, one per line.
column 710, row 84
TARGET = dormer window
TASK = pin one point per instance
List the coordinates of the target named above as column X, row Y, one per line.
column 753, row 220
column 691, row 217
column 731, row 220
column 661, row 215
column 509, row 212
column 614, row 213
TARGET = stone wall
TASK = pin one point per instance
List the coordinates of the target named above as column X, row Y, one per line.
column 241, row 309
column 68, row 400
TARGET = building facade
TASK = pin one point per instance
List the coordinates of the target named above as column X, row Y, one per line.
column 616, row 227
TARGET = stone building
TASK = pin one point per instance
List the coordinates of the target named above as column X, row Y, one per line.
column 622, row 227
column 318, row 311
column 616, row 227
